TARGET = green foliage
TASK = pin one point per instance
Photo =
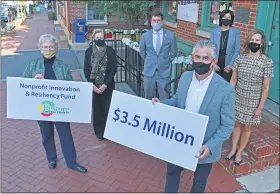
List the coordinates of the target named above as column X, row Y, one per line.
column 122, row 8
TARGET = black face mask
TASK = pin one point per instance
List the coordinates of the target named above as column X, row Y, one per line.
column 99, row 42
column 254, row 47
column 201, row 68
column 226, row 22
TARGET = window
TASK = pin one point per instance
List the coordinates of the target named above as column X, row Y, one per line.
column 169, row 8
column 93, row 17
column 210, row 13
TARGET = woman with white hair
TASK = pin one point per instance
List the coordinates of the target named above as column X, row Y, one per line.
column 100, row 68
column 49, row 67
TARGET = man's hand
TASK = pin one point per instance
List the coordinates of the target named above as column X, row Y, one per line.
column 227, row 68
column 102, row 88
column 154, row 100
column 204, row 152
column 39, row 76
column 96, row 90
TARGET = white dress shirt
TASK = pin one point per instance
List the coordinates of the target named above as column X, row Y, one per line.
column 155, row 34
column 196, row 92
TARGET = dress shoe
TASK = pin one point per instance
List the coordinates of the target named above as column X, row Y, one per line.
column 81, row 169
column 52, row 164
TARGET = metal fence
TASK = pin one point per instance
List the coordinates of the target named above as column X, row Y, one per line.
column 130, row 66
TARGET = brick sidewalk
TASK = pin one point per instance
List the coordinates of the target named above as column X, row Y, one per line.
column 28, row 33
column 111, row 167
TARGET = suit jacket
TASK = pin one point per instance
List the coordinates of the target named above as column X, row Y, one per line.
column 168, row 52
column 233, row 44
column 61, row 70
column 110, row 70
column 218, row 104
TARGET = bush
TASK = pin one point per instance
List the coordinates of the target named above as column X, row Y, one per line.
column 51, row 15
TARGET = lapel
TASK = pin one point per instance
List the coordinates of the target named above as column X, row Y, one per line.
column 209, row 93
column 219, row 40
column 164, row 36
column 57, row 69
column 230, row 36
column 185, row 90
column 151, row 35
column 41, row 68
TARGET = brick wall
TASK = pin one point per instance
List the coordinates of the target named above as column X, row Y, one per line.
column 187, row 30
column 78, row 10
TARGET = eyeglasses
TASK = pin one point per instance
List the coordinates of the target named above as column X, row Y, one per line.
column 48, row 47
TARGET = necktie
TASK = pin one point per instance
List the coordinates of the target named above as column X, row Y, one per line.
column 158, row 43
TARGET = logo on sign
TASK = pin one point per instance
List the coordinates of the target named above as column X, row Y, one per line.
column 48, row 108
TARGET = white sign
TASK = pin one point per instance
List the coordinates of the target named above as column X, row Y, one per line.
column 165, row 132
column 188, row 12
column 49, row 100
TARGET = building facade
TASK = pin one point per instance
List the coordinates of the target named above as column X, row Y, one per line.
column 67, row 11
column 249, row 14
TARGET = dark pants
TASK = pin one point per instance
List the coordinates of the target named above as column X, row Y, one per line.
column 66, row 141
column 225, row 75
column 101, row 104
column 199, row 181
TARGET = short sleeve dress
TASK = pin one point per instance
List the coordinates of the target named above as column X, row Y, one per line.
column 248, row 89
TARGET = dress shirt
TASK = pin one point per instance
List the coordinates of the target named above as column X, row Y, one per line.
column 196, row 92
column 155, row 34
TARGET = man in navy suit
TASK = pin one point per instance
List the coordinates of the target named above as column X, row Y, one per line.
column 158, row 47
column 205, row 92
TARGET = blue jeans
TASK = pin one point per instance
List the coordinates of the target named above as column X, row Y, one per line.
column 173, row 176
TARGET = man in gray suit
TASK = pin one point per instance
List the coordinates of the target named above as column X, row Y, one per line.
column 205, row 92
column 158, row 47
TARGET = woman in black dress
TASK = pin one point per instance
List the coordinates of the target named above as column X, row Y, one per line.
column 100, row 66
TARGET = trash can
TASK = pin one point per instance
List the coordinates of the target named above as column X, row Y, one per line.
column 80, row 30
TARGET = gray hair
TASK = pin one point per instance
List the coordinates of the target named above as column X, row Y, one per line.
column 98, row 30
column 207, row 44
column 50, row 37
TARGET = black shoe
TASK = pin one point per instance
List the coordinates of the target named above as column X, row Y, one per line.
column 80, row 169
column 52, row 164
column 101, row 139
column 237, row 163
column 232, row 157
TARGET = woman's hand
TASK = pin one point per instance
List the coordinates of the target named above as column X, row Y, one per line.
column 102, row 88
column 39, row 76
column 227, row 68
column 258, row 113
column 96, row 90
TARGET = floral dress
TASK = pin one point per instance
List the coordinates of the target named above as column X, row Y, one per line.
column 248, row 91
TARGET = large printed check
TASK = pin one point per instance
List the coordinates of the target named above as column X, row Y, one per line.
column 165, row 132
column 49, row 100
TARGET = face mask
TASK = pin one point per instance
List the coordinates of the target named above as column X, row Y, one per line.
column 254, row 47
column 226, row 22
column 49, row 54
column 99, row 42
column 201, row 68
column 157, row 26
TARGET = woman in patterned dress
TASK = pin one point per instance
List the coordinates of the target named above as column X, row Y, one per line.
column 252, row 73
column 100, row 67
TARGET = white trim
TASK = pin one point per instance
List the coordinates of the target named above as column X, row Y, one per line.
column 95, row 22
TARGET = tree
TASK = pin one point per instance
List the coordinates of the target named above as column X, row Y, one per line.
column 132, row 9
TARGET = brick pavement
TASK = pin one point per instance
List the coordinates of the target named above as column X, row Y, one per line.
column 111, row 167
column 28, row 33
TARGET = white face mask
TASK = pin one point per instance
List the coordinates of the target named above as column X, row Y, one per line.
column 156, row 26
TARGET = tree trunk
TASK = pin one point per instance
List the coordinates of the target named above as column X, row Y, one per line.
column 131, row 22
